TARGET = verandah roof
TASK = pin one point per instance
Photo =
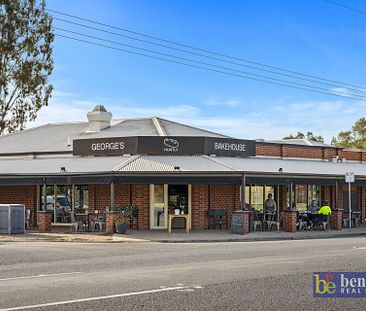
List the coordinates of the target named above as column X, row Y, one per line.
column 174, row 169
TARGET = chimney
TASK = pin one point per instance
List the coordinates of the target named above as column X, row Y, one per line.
column 99, row 119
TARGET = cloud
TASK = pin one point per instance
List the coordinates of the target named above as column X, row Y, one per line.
column 232, row 102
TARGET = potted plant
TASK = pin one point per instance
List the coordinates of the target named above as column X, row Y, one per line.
column 122, row 224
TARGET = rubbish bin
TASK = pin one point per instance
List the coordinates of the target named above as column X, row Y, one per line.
column 12, row 218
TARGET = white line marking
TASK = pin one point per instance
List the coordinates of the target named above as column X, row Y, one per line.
column 57, row 303
column 39, row 276
column 359, row 247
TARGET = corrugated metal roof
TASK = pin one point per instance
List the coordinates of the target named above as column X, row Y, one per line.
column 291, row 166
column 178, row 129
column 58, row 137
column 168, row 164
column 299, row 142
column 52, row 165
column 49, row 137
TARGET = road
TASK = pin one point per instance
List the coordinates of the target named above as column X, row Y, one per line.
column 154, row 276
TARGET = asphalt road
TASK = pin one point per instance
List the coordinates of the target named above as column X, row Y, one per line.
column 210, row 276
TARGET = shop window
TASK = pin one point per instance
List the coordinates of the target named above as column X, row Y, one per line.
column 314, row 194
column 301, row 197
column 256, row 196
column 81, row 199
column 62, row 200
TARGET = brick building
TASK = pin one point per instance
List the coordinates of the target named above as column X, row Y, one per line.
column 162, row 166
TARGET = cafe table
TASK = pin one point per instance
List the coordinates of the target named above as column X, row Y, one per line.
column 186, row 223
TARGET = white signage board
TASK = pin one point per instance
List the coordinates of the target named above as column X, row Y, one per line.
column 350, row 177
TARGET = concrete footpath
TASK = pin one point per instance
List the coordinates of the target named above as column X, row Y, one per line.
column 179, row 236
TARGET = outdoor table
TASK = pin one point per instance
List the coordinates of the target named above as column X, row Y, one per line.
column 186, row 223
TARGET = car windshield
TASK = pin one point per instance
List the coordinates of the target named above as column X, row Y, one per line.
column 63, row 201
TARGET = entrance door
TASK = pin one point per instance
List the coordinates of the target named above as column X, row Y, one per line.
column 158, row 206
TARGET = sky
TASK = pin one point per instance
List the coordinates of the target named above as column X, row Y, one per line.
column 313, row 37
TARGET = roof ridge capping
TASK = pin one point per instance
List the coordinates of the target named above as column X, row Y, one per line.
column 219, row 162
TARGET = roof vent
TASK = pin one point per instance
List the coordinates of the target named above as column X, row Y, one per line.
column 99, row 119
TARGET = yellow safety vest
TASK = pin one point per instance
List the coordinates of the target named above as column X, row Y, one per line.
column 324, row 210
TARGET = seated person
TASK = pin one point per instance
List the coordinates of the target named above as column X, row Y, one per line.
column 270, row 206
column 323, row 213
column 313, row 207
column 312, row 210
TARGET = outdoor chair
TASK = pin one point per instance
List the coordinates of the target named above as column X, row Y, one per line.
column 217, row 218
column 134, row 215
column 77, row 224
column 257, row 221
column 276, row 223
column 269, row 219
column 301, row 222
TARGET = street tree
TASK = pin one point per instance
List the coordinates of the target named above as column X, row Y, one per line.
column 355, row 138
column 25, row 62
column 309, row 136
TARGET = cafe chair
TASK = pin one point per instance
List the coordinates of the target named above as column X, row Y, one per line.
column 217, row 218
column 257, row 221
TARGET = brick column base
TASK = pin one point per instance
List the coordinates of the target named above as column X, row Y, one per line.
column 111, row 218
column 336, row 219
column 289, row 221
column 44, row 221
column 240, row 222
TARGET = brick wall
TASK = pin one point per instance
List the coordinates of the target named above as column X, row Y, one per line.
column 141, row 198
column 26, row 195
column 200, row 204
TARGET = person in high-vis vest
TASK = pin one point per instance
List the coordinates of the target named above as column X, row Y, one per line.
column 323, row 213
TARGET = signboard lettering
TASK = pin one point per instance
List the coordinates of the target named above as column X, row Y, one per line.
column 160, row 145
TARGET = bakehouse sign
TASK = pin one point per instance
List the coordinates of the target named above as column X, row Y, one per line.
column 160, row 145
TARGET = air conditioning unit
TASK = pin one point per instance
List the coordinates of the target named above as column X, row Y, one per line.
column 334, row 159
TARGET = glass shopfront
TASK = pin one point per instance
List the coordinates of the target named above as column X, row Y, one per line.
column 62, row 200
column 257, row 195
column 302, row 195
column 168, row 199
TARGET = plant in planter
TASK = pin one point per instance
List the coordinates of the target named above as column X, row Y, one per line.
column 125, row 214
column 121, row 224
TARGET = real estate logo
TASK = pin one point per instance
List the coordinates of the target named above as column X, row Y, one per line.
column 339, row 284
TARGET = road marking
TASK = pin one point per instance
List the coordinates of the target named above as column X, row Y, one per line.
column 39, row 276
column 357, row 247
column 58, row 303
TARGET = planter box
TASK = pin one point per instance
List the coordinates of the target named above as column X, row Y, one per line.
column 121, row 228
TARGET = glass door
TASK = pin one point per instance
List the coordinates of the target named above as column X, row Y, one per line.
column 158, row 206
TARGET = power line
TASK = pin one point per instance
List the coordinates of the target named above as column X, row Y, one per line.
column 202, row 55
column 310, row 89
column 346, row 7
column 206, row 51
column 213, row 65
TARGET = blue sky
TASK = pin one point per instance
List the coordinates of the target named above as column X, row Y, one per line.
column 309, row 36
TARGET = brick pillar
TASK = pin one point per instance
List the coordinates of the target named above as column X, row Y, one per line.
column 111, row 217
column 336, row 219
column 289, row 221
column 44, row 221
column 240, row 222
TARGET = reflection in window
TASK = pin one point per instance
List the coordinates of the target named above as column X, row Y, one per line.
column 314, row 194
column 257, row 197
column 60, row 201
column 301, row 197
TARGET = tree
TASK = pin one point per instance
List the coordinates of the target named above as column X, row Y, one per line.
column 25, row 62
column 356, row 138
column 309, row 136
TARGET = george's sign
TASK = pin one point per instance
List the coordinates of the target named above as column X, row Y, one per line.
column 160, row 145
